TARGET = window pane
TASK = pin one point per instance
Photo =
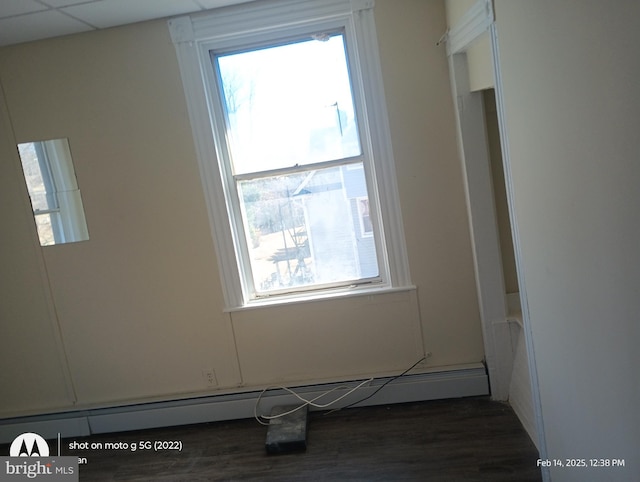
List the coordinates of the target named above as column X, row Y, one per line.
column 290, row 104
column 303, row 229
column 38, row 177
column 44, row 225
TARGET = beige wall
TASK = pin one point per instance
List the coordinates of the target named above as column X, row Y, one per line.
column 138, row 308
column 571, row 100
column 32, row 372
column 500, row 192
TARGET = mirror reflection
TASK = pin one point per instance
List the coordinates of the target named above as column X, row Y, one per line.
column 53, row 190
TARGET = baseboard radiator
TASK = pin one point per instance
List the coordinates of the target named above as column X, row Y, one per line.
column 471, row 380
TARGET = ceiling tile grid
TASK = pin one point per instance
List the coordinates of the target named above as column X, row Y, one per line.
column 65, row 3
column 35, row 26
column 110, row 13
column 10, row 8
column 28, row 20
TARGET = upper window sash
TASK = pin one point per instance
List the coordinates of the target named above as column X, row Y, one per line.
column 287, row 103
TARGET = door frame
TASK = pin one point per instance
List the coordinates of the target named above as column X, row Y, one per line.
column 474, row 155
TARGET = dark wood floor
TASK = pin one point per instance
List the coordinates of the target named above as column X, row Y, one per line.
column 471, row 439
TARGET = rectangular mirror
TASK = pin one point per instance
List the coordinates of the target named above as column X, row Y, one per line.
column 53, row 190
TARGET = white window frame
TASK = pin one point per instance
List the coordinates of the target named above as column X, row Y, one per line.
column 194, row 36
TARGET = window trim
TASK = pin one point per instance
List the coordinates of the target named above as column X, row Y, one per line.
column 194, row 36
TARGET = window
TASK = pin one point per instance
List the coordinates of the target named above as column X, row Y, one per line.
column 301, row 189
column 53, row 190
column 294, row 153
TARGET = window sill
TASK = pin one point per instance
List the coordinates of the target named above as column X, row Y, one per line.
column 327, row 295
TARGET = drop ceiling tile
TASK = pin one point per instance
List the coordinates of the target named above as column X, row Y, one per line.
column 110, row 13
column 208, row 4
column 9, row 8
column 65, row 3
column 36, row 26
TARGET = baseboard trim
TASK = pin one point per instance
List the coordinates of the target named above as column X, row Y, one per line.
column 449, row 383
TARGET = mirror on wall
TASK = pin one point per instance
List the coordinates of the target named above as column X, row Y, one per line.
column 53, row 190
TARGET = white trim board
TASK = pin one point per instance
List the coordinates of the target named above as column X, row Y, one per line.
column 471, row 25
column 483, row 226
column 494, row 303
column 452, row 383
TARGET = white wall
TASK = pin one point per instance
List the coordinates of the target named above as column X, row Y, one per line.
column 572, row 109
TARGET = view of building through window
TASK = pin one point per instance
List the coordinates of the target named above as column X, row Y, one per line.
column 304, row 228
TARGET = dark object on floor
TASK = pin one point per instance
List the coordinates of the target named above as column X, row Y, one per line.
column 287, row 433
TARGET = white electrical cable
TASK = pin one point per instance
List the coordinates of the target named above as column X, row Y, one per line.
column 260, row 418
column 306, row 402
